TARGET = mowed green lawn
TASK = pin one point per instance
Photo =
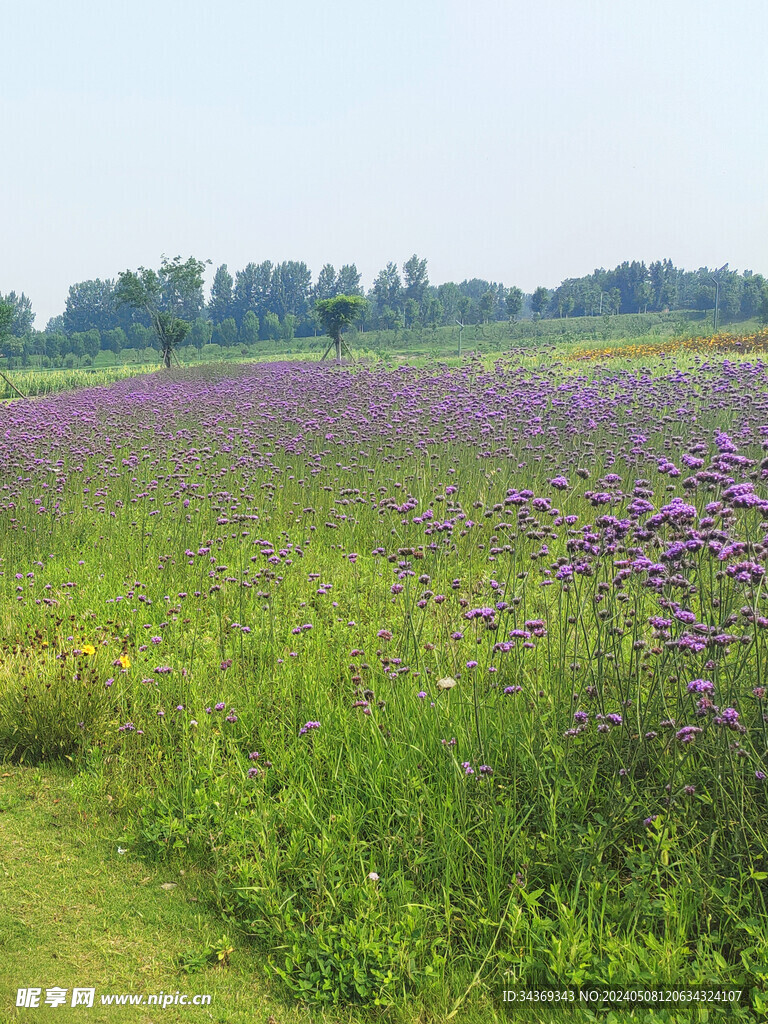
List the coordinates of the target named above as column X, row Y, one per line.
column 77, row 913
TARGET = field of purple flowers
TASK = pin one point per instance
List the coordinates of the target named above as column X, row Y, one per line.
column 457, row 678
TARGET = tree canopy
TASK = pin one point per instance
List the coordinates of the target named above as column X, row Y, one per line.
column 6, row 317
column 338, row 313
column 10, row 345
column 165, row 295
column 22, row 316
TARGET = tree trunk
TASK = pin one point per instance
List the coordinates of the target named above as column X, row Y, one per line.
column 167, row 358
column 338, row 349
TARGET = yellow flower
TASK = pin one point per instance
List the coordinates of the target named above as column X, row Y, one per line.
column 89, row 649
column 125, row 661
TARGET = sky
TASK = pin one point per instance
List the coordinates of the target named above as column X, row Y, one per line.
column 521, row 142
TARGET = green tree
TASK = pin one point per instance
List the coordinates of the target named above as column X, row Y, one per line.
column 416, row 279
column 433, row 311
column 290, row 289
column 92, row 342
column 220, row 305
column 251, row 291
column 731, row 292
column 271, row 326
column 390, row 319
column 55, row 325
column 34, row 343
column 612, row 301
column 140, row 336
column 6, row 317
column 326, row 283
column 162, row 295
column 182, row 290
column 200, row 334
column 486, row 306
column 563, row 299
column 90, row 304
column 336, row 314
column 540, row 301
column 387, row 291
column 77, row 345
column 288, row 327
column 54, row 344
column 466, row 310
column 663, row 281
column 114, row 341
column 249, row 331
column 449, row 296
column 10, row 345
column 348, row 281
column 753, row 290
column 173, row 331
column 412, row 313
column 514, row 302
column 22, row 316
column 225, row 333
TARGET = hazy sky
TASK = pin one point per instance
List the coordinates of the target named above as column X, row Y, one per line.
column 523, row 142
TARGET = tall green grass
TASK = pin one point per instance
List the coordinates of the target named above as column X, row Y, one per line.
column 32, row 383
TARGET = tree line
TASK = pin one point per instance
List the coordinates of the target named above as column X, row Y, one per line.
column 278, row 301
column 637, row 288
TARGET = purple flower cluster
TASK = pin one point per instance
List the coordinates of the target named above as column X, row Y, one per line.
column 654, row 563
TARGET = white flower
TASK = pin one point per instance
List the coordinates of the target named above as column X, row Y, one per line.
column 445, row 684
column 373, row 876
